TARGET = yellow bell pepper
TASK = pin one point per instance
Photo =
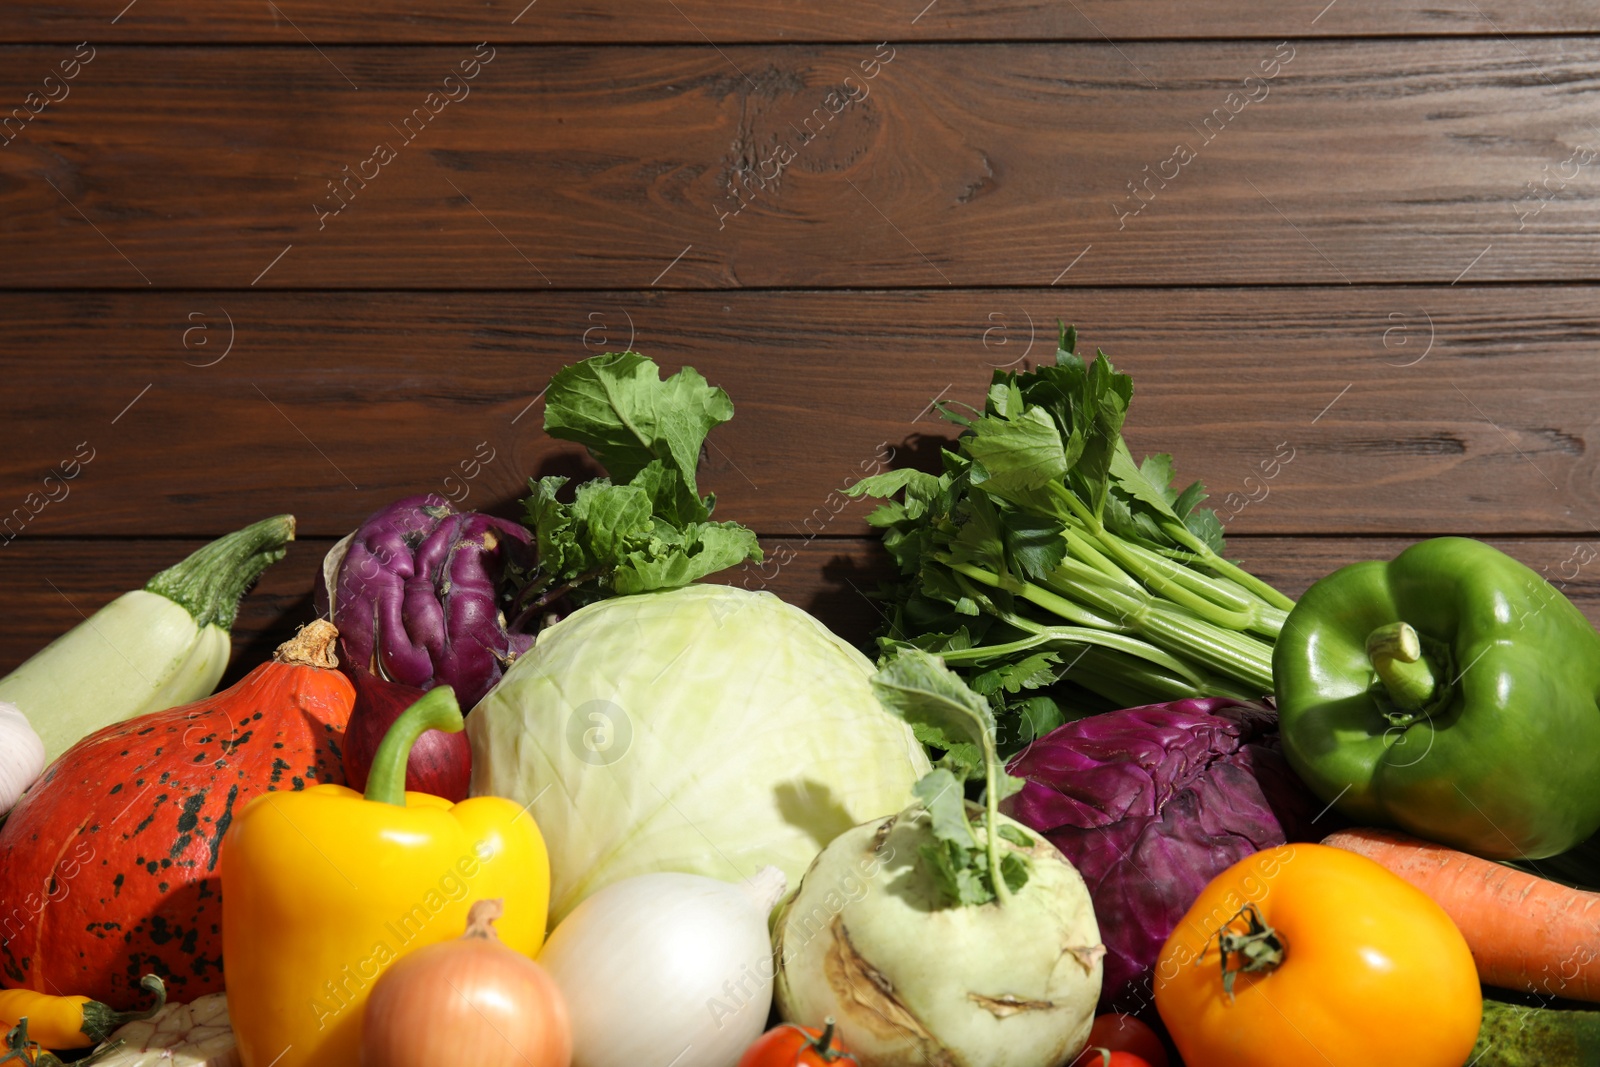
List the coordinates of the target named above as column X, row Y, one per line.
column 325, row 888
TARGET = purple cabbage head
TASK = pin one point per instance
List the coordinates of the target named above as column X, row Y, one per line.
column 420, row 592
column 1150, row 804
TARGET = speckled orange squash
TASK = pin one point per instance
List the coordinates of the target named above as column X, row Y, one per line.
column 110, row 859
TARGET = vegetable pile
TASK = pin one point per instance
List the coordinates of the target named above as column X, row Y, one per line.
column 531, row 792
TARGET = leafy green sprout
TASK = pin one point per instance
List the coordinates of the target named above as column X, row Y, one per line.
column 945, row 713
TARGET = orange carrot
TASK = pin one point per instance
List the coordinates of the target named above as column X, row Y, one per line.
column 1525, row 932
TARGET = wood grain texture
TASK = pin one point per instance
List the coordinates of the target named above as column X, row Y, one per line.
column 1399, row 411
column 695, row 167
column 694, row 21
column 52, row 584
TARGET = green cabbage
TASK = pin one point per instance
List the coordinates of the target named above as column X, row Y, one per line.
column 706, row 729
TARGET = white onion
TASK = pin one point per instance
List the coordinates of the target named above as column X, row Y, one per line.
column 667, row 969
column 21, row 755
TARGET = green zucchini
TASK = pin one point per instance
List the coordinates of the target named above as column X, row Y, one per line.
column 1513, row 1035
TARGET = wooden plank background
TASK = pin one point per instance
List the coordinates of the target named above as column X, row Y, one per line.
column 697, row 21
column 1362, row 234
column 1027, row 164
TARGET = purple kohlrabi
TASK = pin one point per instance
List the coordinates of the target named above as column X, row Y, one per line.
column 419, row 592
column 1150, row 804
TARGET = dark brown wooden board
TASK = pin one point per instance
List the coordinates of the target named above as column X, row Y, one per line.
column 1306, row 411
column 52, row 584
column 698, row 167
column 695, row 21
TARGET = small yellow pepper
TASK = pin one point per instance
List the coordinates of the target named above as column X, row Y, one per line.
column 71, row 1022
column 323, row 889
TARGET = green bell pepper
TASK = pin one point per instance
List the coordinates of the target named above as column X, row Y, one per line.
column 1450, row 692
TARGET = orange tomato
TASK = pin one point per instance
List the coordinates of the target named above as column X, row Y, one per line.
column 1371, row 970
column 788, row 1045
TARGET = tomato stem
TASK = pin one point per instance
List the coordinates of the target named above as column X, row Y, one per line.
column 1259, row 950
column 822, row 1044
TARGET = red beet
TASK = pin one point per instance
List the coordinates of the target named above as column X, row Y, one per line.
column 440, row 764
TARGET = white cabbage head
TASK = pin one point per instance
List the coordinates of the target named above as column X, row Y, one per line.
column 707, row 729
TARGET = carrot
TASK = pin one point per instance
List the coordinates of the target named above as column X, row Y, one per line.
column 1525, row 932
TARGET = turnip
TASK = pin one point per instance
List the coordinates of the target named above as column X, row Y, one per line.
column 901, row 935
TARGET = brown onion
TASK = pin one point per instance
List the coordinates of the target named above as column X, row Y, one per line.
column 469, row 1001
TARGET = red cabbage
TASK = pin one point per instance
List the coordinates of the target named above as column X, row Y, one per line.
column 1150, row 804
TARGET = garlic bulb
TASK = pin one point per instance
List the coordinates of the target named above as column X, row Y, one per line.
column 181, row 1035
column 21, row 755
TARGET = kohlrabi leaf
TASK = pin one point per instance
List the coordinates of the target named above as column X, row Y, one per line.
column 952, row 856
column 920, row 689
column 644, row 527
column 941, row 793
column 1006, row 786
column 1014, row 869
column 674, row 557
column 617, row 406
column 958, row 872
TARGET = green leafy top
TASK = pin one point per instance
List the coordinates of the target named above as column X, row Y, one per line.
column 646, row 526
column 1046, row 454
column 1041, row 527
column 943, row 712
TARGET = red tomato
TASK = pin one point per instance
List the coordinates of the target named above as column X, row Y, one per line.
column 1111, row 1059
column 1123, row 1033
column 798, row 1046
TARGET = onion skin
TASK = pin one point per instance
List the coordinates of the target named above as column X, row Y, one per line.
column 469, row 1001
column 440, row 764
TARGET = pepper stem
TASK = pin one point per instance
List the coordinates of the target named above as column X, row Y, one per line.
column 1396, row 654
column 100, row 1021
column 434, row 710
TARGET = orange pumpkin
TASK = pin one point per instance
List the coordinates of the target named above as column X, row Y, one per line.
column 110, row 868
